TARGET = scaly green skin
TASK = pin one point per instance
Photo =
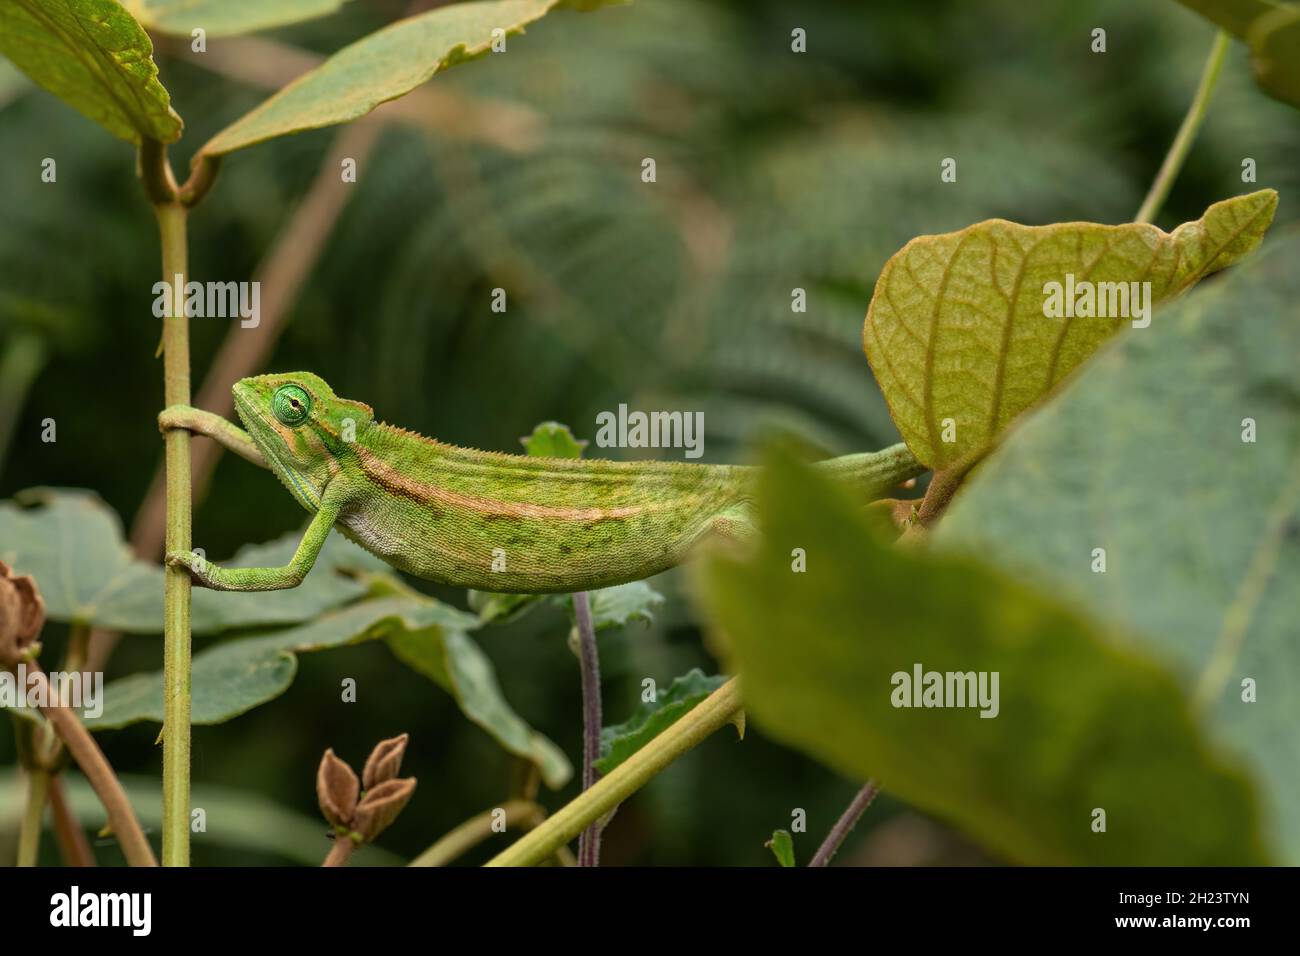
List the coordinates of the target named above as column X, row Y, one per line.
column 478, row 519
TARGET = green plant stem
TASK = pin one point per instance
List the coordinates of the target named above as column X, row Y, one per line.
column 454, row 843
column 74, row 658
column 29, row 836
column 589, row 659
column 176, row 587
column 1173, row 163
column 624, row 780
column 858, row 806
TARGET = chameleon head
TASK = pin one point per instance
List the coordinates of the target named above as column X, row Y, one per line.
column 303, row 429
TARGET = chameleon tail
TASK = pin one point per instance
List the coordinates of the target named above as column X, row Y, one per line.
column 876, row 473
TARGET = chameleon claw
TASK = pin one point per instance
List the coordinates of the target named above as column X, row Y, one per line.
column 192, row 562
column 172, row 417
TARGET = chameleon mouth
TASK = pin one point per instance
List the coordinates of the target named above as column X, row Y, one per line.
column 244, row 404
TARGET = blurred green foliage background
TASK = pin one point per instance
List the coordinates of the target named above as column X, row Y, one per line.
column 775, row 170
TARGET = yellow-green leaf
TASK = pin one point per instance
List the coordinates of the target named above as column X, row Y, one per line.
column 383, row 66
column 958, row 332
column 226, row 17
column 95, row 57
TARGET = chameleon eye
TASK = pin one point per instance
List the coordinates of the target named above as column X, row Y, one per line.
column 291, row 405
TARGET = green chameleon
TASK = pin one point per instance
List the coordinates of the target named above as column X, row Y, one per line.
column 478, row 519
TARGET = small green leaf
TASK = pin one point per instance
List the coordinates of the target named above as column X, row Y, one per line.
column 72, row 544
column 957, row 333
column 226, row 17
column 452, row 660
column 383, row 66
column 552, row 440
column 1177, row 453
column 650, row 719
column 1085, row 720
column 620, row 605
column 95, row 57
column 782, row 847
column 494, row 608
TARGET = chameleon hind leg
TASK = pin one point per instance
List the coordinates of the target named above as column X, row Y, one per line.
column 735, row 524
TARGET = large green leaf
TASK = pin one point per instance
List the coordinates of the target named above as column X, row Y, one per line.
column 238, row 819
column 620, row 741
column 383, row 66
column 1084, row 722
column 234, row 676
column 226, row 17
column 455, row 663
column 94, row 56
column 1143, row 456
column 72, row 544
column 957, row 334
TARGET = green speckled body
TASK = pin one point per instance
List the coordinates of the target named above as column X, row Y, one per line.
column 476, row 519
column 499, row 522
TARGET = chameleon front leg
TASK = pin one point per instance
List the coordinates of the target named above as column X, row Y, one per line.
column 227, row 434
column 209, row 575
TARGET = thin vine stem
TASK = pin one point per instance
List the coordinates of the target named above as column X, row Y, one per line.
column 73, row 845
column 172, row 222
column 98, row 771
column 29, row 835
column 455, row 843
column 719, row 708
column 845, row 824
column 1173, row 163
column 588, row 655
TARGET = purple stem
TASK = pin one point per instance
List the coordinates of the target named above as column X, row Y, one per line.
column 589, row 841
column 845, row 823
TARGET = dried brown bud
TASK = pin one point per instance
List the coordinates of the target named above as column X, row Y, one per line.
column 384, row 761
column 337, row 788
column 22, row 615
column 381, row 806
